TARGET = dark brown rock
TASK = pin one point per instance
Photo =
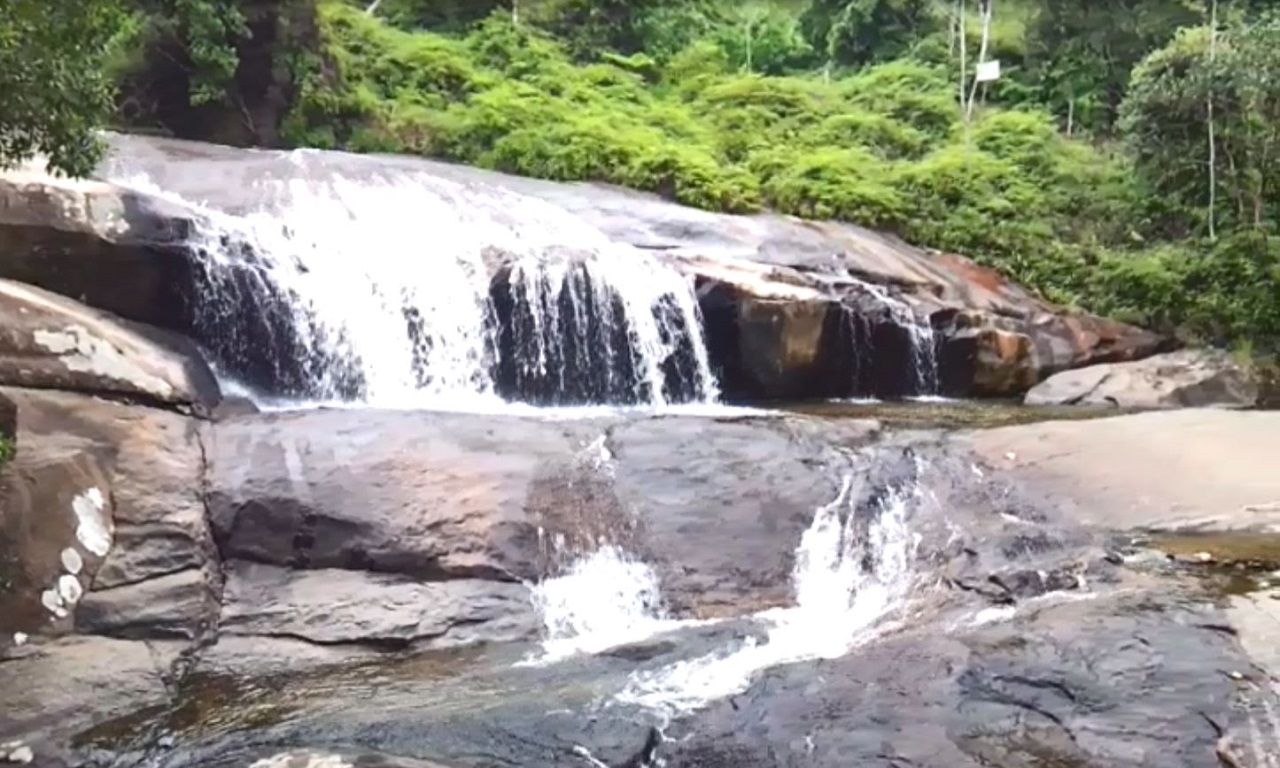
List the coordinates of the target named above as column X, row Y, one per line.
column 50, row 342
column 108, row 247
column 54, row 690
column 427, row 495
column 333, row 606
column 154, row 463
column 55, row 531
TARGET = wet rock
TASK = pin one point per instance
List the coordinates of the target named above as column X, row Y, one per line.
column 54, row 690
column 767, row 284
column 154, row 463
column 720, row 506
column 435, row 496
column 583, row 338
column 146, row 259
column 304, row 759
column 111, row 248
column 49, row 342
column 55, row 531
column 1190, row 378
column 173, row 606
column 333, row 606
column 984, row 354
column 1085, row 683
column 774, row 340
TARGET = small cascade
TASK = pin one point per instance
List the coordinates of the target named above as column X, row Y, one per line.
column 569, row 336
column 922, row 341
column 412, row 290
column 603, row 600
column 850, row 574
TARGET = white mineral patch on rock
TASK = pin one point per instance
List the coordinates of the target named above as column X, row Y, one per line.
column 92, row 527
column 22, row 755
column 85, row 352
column 72, row 562
column 69, row 589
column 19, row 638
column 51, row 600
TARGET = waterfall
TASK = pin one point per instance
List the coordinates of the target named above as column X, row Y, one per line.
column 603, row 600
column 406, row 289
column 853, row 568
column 845, row 586
column 923, row 357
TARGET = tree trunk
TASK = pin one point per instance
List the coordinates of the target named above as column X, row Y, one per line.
column 982, row 53
column 1213, row 148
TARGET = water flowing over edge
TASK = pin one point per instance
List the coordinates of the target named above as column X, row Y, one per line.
column 608, row 599
column 414, row 291
column 839, row 603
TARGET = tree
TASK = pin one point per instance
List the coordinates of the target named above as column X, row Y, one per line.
column 1166, row 127
column 856, row 32
column 1080, row 52
column 54, row 89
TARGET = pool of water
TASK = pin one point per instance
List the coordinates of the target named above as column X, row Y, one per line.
column 948, row 414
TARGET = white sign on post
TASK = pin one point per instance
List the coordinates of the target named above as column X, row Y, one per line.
column 988, row 71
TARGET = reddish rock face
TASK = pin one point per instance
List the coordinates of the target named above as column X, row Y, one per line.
column 793, row 309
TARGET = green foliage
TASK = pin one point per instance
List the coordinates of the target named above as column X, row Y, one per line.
column 707, row 124
column 8, row 449
column 1165, row 120
column 53, row 85
column 843, row 109
column 854, row 32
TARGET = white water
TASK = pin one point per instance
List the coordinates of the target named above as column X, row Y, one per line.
column 838, row 605
column 608, row 599
column 386, row 278
column 604, row 600
column 924, row 355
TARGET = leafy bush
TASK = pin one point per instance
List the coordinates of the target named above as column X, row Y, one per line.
column 883, row 147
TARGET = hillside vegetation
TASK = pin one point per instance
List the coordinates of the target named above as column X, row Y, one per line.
column 1084, row 171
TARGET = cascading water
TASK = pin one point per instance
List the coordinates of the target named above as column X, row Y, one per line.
column 412, row 290
column 850, row 574
column 604, row 600
column 844, row 587
column 923, row 341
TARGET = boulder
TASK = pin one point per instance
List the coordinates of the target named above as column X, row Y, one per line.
column 112, row 248
column 332, row 606
column 56, row 530
column 444, row 497
column 794, row 309
column 50, row 342
column 151, row 260
column 1189, row 378
column 160, row 578
column 54, row 691
column 1113, row 681
column 432, row 496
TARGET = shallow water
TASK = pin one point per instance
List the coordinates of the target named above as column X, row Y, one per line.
column 935, row 413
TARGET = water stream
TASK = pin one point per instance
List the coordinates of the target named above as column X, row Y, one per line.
column 853, row 570
column 413, row 291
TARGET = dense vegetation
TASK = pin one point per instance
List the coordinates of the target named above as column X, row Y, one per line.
column 1084, row 171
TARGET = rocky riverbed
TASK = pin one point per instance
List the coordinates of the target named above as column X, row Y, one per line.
column 187, row 581
column 357, row 583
